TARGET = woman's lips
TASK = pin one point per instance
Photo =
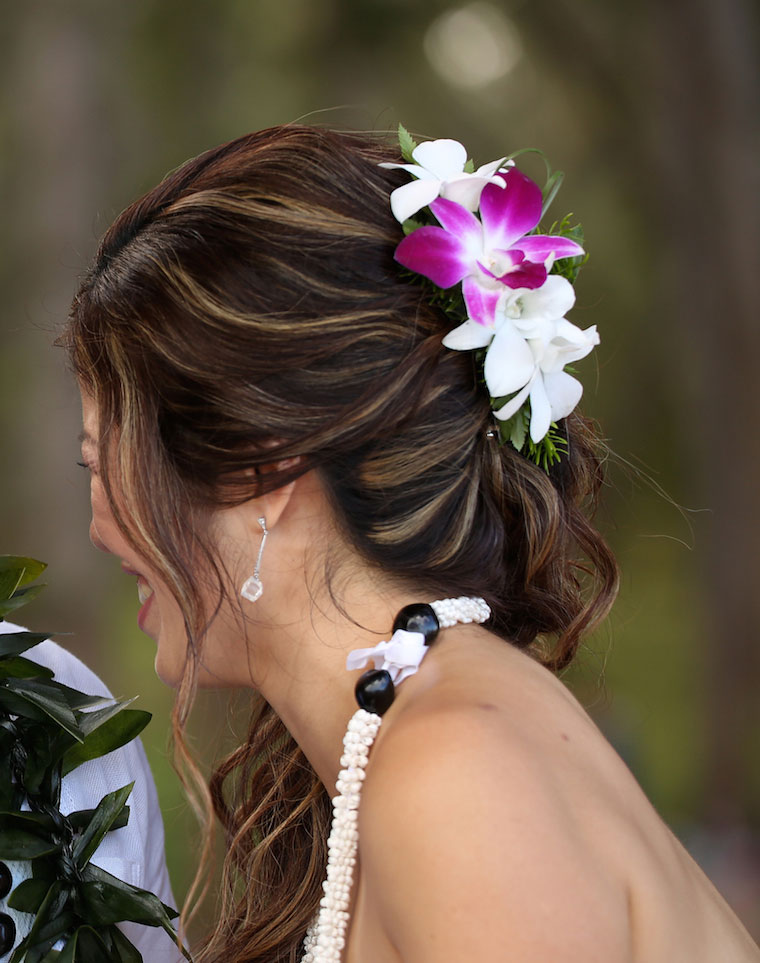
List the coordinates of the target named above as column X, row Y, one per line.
column 145, row 593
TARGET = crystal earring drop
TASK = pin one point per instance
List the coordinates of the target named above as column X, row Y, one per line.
column 253, row 587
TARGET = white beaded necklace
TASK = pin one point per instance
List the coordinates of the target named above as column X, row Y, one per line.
column 415, row 627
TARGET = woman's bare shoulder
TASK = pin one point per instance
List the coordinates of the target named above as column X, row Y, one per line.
column 464, row 819
column 495, row 809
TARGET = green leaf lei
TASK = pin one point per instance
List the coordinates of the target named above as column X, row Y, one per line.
column 45, row 733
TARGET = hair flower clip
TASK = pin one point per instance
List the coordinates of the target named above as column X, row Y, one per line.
column 479, row 230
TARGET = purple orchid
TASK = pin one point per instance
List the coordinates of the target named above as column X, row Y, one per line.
column 487, row 255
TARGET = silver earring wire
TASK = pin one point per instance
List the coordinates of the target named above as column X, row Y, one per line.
column 253, row 587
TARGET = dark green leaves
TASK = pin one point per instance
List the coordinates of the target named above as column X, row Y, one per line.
column 46, row 730
column 46, row 697
column 111, row 731
column 19, row 844
column 50, row 924
column 106, row 813
column 13, row 643
column 16, row 572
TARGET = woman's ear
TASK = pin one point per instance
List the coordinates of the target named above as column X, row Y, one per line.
column 271, row 505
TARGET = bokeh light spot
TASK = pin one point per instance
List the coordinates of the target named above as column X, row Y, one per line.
column 472, row 46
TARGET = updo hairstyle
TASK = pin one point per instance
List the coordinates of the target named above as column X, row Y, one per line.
column 248, row 312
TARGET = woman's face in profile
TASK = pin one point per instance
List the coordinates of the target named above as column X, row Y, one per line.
column 159, row 615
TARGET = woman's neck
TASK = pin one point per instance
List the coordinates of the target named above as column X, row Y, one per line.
column 306, row 681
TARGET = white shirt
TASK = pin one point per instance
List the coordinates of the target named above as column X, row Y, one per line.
column 134, row 853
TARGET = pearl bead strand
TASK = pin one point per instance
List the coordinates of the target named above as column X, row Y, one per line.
column 464, row 609
column 326, row 936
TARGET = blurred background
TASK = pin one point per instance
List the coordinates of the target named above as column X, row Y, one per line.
column 650, row 108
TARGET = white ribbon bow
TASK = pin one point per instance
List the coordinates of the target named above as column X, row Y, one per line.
column 400, row 657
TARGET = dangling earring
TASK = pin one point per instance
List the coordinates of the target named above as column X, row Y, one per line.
column 252, row 587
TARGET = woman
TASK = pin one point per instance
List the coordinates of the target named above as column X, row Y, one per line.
column 285, row 455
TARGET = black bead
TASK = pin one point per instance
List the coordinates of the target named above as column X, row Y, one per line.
column 7, row 934
column 418, row 617
column 375, row 691
column 6, row 881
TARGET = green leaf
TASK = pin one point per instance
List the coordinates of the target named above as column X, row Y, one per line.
column 106, row 813
column 18, row 844
column 47, row 697
column 106, row 904
column 128, row 952
column 551, row 187
column 80, row 819
column 30, row 568
column 85, row 946
column 52, row 956
column 17, row 667
column 28, row 822
column 13, row 643
column 91, row 722
column 10, row 795
column 15, row 571
column 410, row 225
column 50, row 924
column 137, row 905
column 406, row 143
column 20, row 598
column 45, row 744
column 15, row 705
column 469, row 167
column 110, row 734
column 28, row 896
column 80, row 700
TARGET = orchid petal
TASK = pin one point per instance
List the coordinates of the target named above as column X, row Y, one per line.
column 527, row 275
column 460, row 222
column 563, row 391
column 574, row 336
column 468, row 336
column 538, row 247
column 481, row 301
column 486, row 170
column 412, row 197
column 509, row 212
column 512, row 258
column 514, row 404
column 540, row 410
column 436, row 254
column 568, row 344
column 509, row 363
column 465, row 190
column 441, row 157
column 552, row 300
column 414, row 169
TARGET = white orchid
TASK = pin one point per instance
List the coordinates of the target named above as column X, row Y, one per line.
column 529, row 344
column 486, row 240
column 439, row 172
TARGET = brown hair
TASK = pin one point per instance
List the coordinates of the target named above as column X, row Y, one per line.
column 251, row 299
